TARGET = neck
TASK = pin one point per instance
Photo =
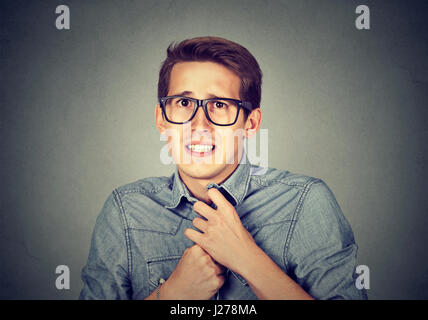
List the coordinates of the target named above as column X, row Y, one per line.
column 197, row 186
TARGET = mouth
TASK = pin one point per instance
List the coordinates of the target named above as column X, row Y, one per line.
column 200, row 150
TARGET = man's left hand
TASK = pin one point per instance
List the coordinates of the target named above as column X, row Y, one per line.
column 224, row 237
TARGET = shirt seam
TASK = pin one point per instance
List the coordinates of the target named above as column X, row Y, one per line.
column 144, row 191
column 126, row 230
column 247, row 183
column 259, row 182
column 299, row 206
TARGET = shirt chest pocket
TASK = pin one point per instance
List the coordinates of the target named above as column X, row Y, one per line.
column 161, row 268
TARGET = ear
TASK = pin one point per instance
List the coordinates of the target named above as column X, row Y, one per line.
column 160, row 121
column 252, row 124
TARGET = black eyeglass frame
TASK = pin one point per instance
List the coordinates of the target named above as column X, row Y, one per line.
column 203, row 103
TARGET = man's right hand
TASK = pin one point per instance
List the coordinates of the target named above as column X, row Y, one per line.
column 196, row 277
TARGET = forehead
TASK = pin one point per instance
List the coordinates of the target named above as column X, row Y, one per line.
column 203, row 79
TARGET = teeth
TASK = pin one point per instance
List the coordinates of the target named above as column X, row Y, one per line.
column 200, row 147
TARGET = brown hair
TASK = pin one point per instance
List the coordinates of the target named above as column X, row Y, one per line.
column 230, row 54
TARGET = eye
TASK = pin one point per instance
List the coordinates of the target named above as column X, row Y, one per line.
column 184, row 102
column 219, row 104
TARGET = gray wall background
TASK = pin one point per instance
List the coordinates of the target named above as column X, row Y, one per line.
column 77, row 120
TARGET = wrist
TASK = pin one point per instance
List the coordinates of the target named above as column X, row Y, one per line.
column 163, row 291
column 249, row 264
column 245, row 260
column 170, row 291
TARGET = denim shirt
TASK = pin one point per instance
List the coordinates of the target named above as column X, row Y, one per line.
column 139, row 238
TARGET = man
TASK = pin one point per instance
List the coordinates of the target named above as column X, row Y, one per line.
column 218, row 228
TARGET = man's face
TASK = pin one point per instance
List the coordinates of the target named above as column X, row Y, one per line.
column 204, row 80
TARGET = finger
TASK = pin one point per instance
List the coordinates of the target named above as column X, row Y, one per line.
column 200, row 224
column 221, row 280
column 218, row 199
column 194, row 235
column 198, row 249
column 220, row 268
column 201, row 251
column 204, row 210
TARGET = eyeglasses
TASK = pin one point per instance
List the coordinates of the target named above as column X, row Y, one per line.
column 219, row 111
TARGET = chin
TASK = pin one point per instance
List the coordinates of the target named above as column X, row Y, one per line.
column 202, row 171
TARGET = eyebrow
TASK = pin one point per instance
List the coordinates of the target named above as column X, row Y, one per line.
column 188, row 93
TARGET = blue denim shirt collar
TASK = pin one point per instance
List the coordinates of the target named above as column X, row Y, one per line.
column 234, row 188
column 179, row 190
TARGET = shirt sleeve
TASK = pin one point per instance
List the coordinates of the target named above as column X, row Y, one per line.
column 322, row 252
column 105, row 275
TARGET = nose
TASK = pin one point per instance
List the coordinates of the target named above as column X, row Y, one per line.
column 200, row 121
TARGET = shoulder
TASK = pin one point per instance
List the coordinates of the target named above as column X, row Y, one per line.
column 269, row 177
column 142, row 204
column 315, row 205
column 146, row 186
column 307, row 193
column 290, row 191
column 139, row 192
column 139, row 197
